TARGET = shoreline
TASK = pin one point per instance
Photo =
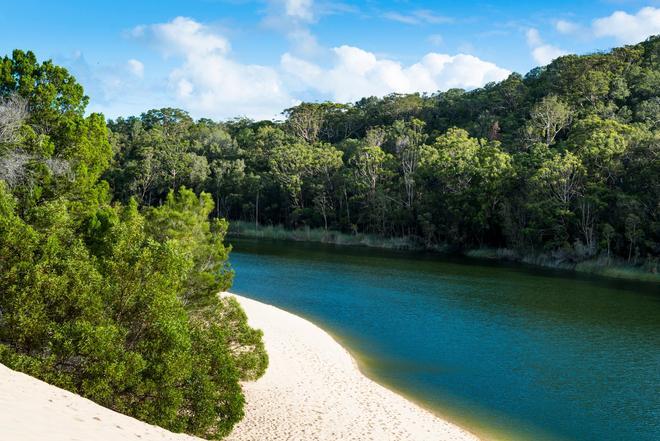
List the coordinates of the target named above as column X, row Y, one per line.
column 442, row 413
column 314, row 389
column 593, row 267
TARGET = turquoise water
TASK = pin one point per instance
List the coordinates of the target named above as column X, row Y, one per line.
column 505, row 351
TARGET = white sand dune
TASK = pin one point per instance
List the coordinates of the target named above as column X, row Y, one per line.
column 31, row 410
column 312, row 390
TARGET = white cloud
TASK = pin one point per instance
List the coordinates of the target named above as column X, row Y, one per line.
column 541, row 52
column 546, row 53
column 208, row 81
column 135, row 67
column 183, row 36
column 303, row 41
column 300, row 9
column 626, row 28
column 304, row 11
column 566, row 27
column 293, row 18
column 418, row 16
column 301, row 69
column 533, row 37
column 357, row 73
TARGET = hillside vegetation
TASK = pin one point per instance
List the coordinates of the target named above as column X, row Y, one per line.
column 560, row 165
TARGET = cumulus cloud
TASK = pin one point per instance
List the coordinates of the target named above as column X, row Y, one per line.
column 541, row 52
column 293, row 18
column 300, row 9
column 205, row 79
column 546, row 53
column 208, row 81
column 627, row 28
column 356, row 73
column 418, row 16
column 182, row 36
column 135, row 67
column 566, row 27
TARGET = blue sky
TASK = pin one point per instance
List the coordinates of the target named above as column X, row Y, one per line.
column 225, row 58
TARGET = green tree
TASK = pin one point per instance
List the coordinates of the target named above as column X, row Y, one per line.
column 183, row 218
column 369, row 165
column 548, row 118
column 557, row 184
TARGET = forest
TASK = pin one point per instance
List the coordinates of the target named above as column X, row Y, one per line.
column 562, row 162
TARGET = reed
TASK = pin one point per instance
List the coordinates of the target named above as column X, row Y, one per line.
column 306, row 234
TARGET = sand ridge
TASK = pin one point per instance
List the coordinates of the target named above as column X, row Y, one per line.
column 31, row 410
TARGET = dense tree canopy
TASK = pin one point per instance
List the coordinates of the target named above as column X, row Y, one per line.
column 117, row 302
column 563, row 161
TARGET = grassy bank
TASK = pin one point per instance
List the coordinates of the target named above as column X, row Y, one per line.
column 600, row 266
column 278, row 232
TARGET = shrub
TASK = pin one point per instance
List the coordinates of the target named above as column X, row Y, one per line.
column 117, row 322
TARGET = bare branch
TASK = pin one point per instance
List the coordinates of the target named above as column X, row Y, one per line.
column 12, row 168
column 13, row 111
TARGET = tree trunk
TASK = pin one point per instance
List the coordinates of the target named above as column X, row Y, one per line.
column 256, row 211
column 348, row 212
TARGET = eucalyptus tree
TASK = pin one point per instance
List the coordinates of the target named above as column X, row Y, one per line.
column 548, row 118
column 370, row 167
column 408, row 139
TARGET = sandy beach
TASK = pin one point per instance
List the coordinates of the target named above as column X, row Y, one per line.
column 31, row 410
column 312, row 390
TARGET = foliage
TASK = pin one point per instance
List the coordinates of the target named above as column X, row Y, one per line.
column 112, row 302
column 563, row 160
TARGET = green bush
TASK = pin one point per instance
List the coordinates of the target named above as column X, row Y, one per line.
column 120, row 326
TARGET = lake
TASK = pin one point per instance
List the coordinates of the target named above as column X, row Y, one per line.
column 506, row 351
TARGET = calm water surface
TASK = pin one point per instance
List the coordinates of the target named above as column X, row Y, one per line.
column 505, row 351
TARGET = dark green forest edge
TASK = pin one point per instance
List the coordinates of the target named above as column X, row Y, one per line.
column 559, row 167
column 111, row 233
